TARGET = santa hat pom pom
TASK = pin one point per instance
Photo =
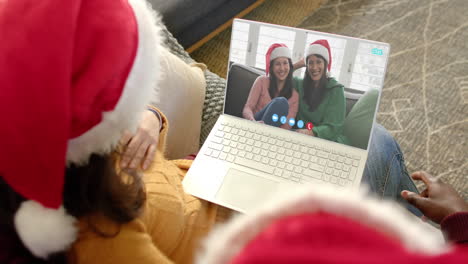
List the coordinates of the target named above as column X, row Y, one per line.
column 33, row 222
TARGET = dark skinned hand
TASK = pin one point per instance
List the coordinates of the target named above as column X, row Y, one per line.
column 438, row 200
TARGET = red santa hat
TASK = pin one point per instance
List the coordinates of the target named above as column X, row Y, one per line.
column 74, row 75
column 276, row 50
column 324, row 224
column 320, row 47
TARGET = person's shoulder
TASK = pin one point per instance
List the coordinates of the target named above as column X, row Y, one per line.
column 262, row 82
column 297, row 82
column 128, row 241
column 334, row 84
column 105, row 225
column 263, row 78
column 297, row 79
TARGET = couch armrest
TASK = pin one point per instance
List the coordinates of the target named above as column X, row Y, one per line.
column 239, row 82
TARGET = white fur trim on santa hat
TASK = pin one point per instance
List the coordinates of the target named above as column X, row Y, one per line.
column 280, row 52
column 140, row 88
column 44, row 231
column 226, row 241
column 317, row 49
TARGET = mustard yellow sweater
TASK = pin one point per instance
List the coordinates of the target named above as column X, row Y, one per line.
column 168, row 230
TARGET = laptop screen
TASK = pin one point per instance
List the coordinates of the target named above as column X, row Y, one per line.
column 315, row 83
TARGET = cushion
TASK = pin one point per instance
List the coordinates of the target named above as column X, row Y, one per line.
column 358, row 123
column 215, row 86
column 180, row 97
column 240, row 81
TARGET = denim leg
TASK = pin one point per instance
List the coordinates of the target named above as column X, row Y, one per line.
column 385, row 171
column 279, row 106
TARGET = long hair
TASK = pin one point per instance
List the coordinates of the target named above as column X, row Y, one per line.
column 313, row 95
column 287, row 90
column 94, row 188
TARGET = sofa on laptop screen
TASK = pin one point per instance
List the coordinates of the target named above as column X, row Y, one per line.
column 360, row 106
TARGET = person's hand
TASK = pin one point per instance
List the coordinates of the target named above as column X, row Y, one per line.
column 139, row 149
column 438, row 200
column 306, row 132
column 249, row 116
column 299, row 64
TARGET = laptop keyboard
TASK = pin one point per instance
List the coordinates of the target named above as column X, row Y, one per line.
column 284, row 158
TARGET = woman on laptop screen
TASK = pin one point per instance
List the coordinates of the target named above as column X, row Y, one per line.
column 272, row 98
column 322, row 101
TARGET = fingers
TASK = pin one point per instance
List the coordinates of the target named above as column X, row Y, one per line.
column 139, row 156
column 149, row 156
column 132, row 152
column 422, row 176
column 425, row 193
column 125, row 138
column 414, row 199
column 126, row 156
column 140, row 150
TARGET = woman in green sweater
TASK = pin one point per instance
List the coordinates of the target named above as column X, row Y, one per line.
column 321, row 98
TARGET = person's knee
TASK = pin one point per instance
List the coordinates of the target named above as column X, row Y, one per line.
column 280, row 104
column 382, row 139
column 383, row 147
column 280, row 101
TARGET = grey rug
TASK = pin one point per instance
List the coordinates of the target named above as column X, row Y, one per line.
column 425, row 96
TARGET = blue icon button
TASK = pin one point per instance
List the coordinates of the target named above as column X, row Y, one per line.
column 377, row 51
column 283, row 120
column 274, row 117
column 300, row 124
column 292, row 121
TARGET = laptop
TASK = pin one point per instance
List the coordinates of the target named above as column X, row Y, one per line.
column 243, row 163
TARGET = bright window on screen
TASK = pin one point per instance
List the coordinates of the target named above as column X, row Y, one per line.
column 369, row 67
column 239, row 42
column 269, row 35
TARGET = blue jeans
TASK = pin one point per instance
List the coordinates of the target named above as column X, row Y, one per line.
column 279, row 106
column 385, row 170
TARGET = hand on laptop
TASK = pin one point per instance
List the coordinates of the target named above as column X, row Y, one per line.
column 438, row 200
column 140, row 148
column 306, row 132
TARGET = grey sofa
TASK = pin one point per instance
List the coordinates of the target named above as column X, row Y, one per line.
column 241, row 79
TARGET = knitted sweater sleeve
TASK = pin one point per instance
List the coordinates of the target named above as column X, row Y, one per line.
column 455, row 227
column 253, row 99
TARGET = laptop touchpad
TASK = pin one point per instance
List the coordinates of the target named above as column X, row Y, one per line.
column 244, row 190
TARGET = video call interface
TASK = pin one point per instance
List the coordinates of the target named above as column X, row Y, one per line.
column 359, row 65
